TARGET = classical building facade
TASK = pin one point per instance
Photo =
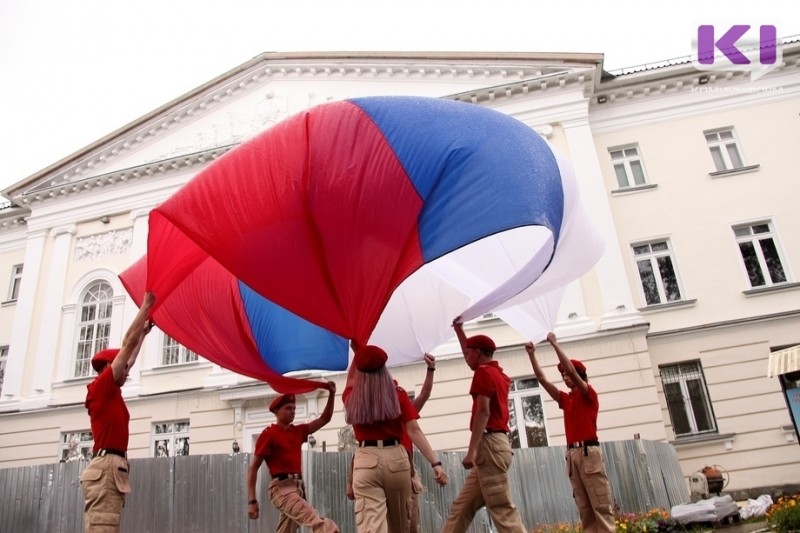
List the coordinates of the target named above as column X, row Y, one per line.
column 688, row 174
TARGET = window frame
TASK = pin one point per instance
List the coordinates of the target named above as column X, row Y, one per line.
column 723, row 147
column 85, row 347
column 624, row 161
column 653, row 257
column 171, row 437
column 691, row 416
column 15, row 282
column 756, row 239
column 4, row 349
column 85, row 445
column 184, row 354
column 516, row 397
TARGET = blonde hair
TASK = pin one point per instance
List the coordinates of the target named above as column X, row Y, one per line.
column 373, row 398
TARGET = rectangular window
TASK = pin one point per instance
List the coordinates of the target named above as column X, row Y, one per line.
column 657, row 272
column 724, row 149
column 3, row 362
column 171, row 439
column 16, row 281
column 173, row 353
column 760, row 254
column 628, row 166
column 687, row 399
column 525, row 405
column 76, row 446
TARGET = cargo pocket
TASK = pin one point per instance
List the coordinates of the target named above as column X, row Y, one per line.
column 121, row 479
column 398, row 465
column 359, row 510
column 495, row 492
column 364, row 461
column 91, row 474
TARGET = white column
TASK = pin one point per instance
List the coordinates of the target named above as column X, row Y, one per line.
column 23, row 316
column 572, row 317
column 138, row 247
column 618, row 308
column 47, row 351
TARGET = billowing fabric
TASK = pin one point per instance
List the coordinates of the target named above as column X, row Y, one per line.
column 374, row 219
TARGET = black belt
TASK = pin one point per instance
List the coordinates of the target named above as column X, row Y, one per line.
column 583, row 444
column 281, row 477
column 109, row 451
column 379, row 443
column 487, row 430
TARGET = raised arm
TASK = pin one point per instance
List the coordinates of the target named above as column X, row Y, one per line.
column 551, row 389
column 458, row 326
column 132, row 342
column 427, row 385
column 327, row 413
column 567, row 365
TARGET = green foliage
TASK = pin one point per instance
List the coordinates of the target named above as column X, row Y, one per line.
column 784, row 515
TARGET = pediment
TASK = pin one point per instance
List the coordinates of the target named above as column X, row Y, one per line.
column 204, row 123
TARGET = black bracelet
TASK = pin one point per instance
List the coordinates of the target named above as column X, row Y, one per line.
column 252, row 502
column 437, row 463
column 431, row 369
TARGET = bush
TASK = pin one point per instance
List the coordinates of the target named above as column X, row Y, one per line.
column 784, row 515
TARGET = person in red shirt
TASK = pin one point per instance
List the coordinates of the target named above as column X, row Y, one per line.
column 489, row 454
column 105, row 480
column 280, row 446
column 587, row 472
column 416, row 483
column 380, row 412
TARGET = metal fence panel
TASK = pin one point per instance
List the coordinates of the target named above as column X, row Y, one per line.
column 208, row 493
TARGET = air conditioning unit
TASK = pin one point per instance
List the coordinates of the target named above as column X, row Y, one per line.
column 488, row 316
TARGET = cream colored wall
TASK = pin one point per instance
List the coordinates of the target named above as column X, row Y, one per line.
column 696, row 211
column 748, row 405
column 12, row 252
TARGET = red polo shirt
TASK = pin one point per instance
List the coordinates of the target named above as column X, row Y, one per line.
column 108, row 413
column 280, row 447
column 490, row 381
column 386, row 429
column 580, row 414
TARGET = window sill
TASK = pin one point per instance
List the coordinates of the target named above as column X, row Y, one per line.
column 670, row 305
column 165, row 369
column 705, row 438
column 634, row 189
column 733, row 171
column 7, row 303
column 772, row 288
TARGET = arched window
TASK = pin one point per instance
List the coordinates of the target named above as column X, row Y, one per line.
column 95, row 325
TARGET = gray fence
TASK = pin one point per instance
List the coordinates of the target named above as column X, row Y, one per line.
column 207, row 493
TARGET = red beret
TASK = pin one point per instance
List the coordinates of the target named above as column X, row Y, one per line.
column 103, row 357
column 280, row 401
column 370, row 359
column 482, row 342
column 577, row 364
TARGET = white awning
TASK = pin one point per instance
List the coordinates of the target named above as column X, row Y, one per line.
column 784, row 361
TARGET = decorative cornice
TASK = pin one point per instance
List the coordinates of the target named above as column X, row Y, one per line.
column 165, row 166
column 507, row 74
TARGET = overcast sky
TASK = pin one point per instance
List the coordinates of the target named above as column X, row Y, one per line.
column 73, row 71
